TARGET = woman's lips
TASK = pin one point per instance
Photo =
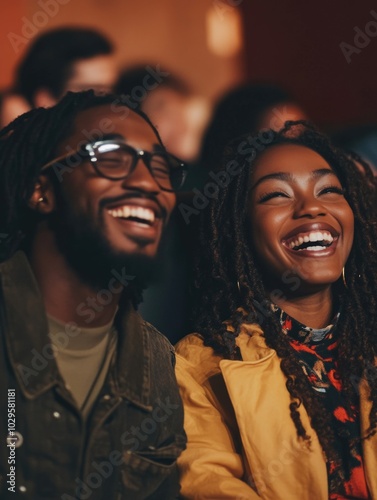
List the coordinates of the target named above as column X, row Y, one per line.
column 315, row 251
column 310, row 227
column 312, row 240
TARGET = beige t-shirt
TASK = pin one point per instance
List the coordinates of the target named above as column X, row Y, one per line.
column 83, row 359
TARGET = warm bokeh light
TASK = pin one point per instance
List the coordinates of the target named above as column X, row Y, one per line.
column 224, row 30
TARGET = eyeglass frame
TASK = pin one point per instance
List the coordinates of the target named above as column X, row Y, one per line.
column 88, row 149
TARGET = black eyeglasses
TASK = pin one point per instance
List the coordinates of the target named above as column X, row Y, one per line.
column 116, row 160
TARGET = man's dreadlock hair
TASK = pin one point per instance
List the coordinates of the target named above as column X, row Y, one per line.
column 28, row 143
column 231, row 284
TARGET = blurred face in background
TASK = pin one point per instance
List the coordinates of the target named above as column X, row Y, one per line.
column 98, row 73
column 166, row 109
column 179, row 118
column 276, row 116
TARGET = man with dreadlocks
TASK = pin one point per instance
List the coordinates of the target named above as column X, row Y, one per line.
column 280, row 383
column 86, row 189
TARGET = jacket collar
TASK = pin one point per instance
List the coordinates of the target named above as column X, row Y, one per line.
column 24, row 322
column 252, row 343
column 132, row 370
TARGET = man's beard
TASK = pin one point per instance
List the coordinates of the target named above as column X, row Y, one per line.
column 87, row 251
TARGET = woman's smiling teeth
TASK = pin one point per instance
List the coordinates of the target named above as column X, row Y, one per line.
column 132, row 212
column 312, row 241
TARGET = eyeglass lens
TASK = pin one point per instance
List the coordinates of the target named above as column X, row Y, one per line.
column 116, row 161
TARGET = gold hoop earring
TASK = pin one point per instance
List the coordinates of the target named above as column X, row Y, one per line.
column 344, row 277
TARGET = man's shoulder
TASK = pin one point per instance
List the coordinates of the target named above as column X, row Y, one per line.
column 154, row 333
column 157, row 339
column 17, row 262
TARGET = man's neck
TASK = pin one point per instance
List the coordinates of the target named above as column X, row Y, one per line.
column 65, row 296
column 314, row 310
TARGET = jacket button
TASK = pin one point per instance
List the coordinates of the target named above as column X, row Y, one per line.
column 15, row 439
column 56, row 414
column 106, row 397
column 23, row 489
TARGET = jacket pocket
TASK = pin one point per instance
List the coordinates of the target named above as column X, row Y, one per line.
column 144, row 471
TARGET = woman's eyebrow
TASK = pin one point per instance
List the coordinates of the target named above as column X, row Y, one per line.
column 322, row 172
column 286, row 176
column 282, row 176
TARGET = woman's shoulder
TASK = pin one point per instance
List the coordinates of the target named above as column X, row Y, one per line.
column 193, row 339
column 194, row 356
column 191, row 345
column 198, row 356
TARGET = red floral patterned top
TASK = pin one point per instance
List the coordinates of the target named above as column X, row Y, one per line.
column 316, row 350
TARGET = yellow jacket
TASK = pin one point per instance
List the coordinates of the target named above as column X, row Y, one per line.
column 242, row 443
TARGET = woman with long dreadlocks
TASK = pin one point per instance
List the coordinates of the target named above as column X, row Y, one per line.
column 280, row 383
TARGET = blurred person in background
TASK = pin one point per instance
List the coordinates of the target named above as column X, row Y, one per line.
column 361, row 140
column 11, row 106
column 57, row 61
column 180, row 117
column 243, row 110
column 246, row 109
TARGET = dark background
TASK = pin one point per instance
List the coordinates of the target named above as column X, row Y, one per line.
column 297, row 44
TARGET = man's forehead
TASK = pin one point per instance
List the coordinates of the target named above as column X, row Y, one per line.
column 113, row 112
column 95, row 123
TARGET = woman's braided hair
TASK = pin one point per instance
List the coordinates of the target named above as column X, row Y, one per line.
column 231, row 284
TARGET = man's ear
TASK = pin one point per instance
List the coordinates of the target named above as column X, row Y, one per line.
column 43, row 198
column 43, row 99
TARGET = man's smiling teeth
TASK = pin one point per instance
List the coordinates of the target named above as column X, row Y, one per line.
column 323, row 237
column 127, row 211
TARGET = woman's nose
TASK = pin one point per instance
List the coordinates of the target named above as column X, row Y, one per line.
column 309, row 206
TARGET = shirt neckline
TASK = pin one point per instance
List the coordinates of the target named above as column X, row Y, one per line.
column 300, row 332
